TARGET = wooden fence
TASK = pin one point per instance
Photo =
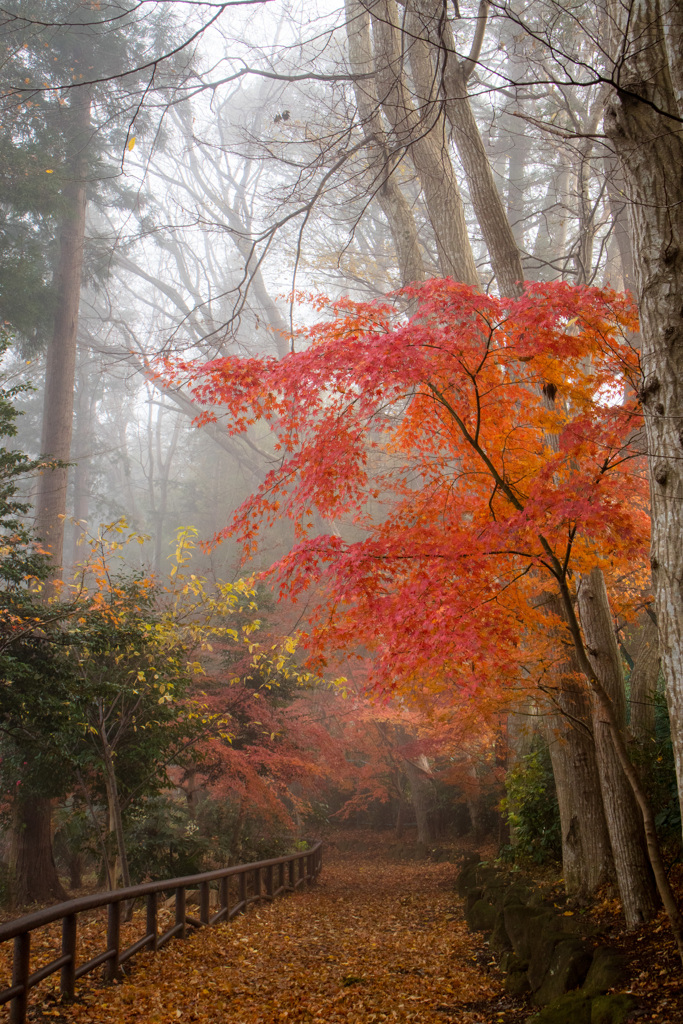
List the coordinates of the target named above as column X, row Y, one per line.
column 263, row 880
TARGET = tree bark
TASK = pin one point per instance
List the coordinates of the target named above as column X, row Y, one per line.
column 624, row 822
column 666, row 893
column 619, row 215
column 114, row 806
column 60, row 368
column 392, row 201
column 644, row 676
column 34, row 874
column 37, row 874
column 643, row 122
column 427, row 21
column 586, row 853
column 420, row 795
column 426, row 147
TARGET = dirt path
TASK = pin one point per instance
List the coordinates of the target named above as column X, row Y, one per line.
column 372, row 941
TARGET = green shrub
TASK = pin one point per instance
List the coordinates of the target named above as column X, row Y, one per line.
column 531, row 810
column 164, row 841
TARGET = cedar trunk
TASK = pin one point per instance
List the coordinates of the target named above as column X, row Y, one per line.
column 35, row 878
column 36, row 874
column 60, row 368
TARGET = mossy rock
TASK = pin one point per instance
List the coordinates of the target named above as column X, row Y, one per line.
column 544, row 942
column 612, row 1009
column 499, row 940
column 481, row 917
column 608, row 970
column 440, row 856
column 471, row 897
column 518, row 893
column 510, row 962
column 572, row 1008
column 523, row 924
column 568, row 968
column 467, row 878
column 517, row 983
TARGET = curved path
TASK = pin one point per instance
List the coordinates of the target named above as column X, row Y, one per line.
column 372, row 941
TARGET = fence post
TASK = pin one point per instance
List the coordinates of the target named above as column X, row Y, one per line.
column 204, row 898
column 152, row 920
column 111, row 968
column 67, row 985
column 269, row 881
column 243, row 888
column 180, row 910
column 20, row 973
column 281, row 875
column 224, row 899
column 257, row 883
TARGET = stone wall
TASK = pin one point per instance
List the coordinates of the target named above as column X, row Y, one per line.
column 550, row 956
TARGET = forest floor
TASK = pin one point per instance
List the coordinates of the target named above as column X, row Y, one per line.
column 374, row 940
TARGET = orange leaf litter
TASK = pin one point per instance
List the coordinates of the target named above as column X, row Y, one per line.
column 372, row 941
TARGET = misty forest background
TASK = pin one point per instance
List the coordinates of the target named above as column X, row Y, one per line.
column 176, row 179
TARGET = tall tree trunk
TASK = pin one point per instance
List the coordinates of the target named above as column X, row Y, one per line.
column 643, row 122
column 392, row 201
column 114, row 806
column 85, row 396
column 426, row 22
column 643, row 683
column 34, row 874
column 586, row 854
column 624, row 822
column 426, row 148
column 420, row 795
column 664, row 889
column 37, row 874
column 60, row 368
column 618, row 209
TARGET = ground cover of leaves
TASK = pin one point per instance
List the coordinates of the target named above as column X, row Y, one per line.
column 371, row 941
column 374, row 940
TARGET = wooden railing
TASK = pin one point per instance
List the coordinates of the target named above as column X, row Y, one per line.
column 263, row 880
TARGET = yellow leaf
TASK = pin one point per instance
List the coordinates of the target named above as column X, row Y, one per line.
column 49, row 170
column 131, row 142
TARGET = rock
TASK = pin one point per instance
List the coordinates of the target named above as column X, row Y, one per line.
column 612, row 1009
column 517, row 983
column 608, row 970
column 572, row 1008
column 499, row 940
column 481, row 917
column 471, row 897
column 468, row 874
column 543, row 943
column 568, row 968
column 522, row 925
column 518, row 892
column 509, row 962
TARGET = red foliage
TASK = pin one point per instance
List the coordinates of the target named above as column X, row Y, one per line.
column 481, row 445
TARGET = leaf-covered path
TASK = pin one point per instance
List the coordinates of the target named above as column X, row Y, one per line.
column 372, row 941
